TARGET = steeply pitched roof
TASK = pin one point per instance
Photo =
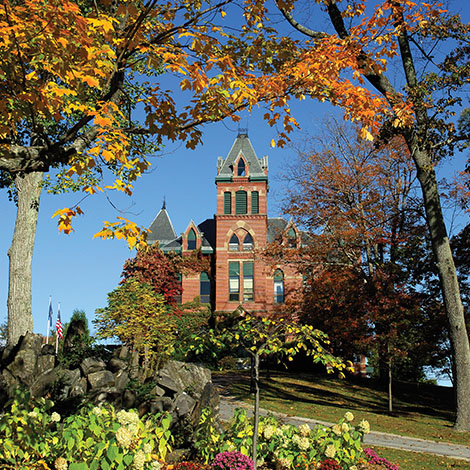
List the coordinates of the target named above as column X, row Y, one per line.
column 161, row 229
column 256, row 165
column 276, row 226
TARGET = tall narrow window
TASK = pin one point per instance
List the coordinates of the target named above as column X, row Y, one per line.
column 278, row 287
column 248, row 281
column 255, row 202
column 234, row 280
column 292, row 238
column 205, row 288
column 241, row 167
column 240, row 202
column 180, row 282
column 227, row 202
column 234, row 243
column 248, row 242
column 192, row 240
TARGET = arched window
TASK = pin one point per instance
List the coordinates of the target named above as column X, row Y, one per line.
column 205, row 288
column 292, row 238
column 278, row 287
column 248, row 242
column 241, row 167
column 234, row 243
column 192, row 240
column 240, row 202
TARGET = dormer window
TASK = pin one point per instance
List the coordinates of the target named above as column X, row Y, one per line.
column 292, row 238
column 248, row 242
column 234, row 243
column 241, row 167
column 192, row 240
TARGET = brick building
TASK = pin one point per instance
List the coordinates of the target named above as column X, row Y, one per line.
column 234, row 239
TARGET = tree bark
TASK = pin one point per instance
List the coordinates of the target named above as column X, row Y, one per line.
column 256, row 409
column 20, row 254
column 449, row 286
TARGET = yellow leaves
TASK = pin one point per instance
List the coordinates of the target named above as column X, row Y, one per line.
column 124, row 230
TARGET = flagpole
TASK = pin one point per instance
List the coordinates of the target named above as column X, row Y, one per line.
column 48, row 320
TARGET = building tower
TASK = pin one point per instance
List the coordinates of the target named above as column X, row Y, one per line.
column 241, row 229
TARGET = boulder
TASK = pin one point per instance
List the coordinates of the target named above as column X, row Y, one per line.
column 115, row 365
column 101, row 378
column 184, row 404
column 92, row 364
column 23, row 366
column 45, row 363
column 184, row 377
column 121, row 379
column 44, row 383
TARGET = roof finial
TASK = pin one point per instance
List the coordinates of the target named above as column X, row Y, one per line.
column 242, row 131
column 164, row 204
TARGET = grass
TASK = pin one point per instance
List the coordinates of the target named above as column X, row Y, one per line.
column 423, row 411
column 419, row 461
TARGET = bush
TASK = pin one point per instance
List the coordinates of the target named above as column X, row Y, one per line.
column 376, row 462
column 232, row 461
column 34, row 436
column 330, row 464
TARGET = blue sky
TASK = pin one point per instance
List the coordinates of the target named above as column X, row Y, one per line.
column 78, row 271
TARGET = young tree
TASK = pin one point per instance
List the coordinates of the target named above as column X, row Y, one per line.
column 261, row 337
column 419, row 108
column 140, row 318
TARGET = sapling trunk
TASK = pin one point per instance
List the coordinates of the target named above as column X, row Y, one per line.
column 256, row 408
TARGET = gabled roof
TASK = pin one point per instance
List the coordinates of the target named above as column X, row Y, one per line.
column 161, row 229
column 257, row 166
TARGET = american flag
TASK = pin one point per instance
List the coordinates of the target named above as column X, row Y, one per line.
column 58, row 324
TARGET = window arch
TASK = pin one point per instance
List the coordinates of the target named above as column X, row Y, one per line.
column 205, row 288
column 278, row 286
column 234, row 243
column 241, row 167
column 247, row 242
column 192, row 240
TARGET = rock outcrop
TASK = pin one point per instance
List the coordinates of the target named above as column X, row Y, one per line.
column 182, row 389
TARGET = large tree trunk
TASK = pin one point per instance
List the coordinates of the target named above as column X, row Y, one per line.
column 449, row 286
column 20, row 316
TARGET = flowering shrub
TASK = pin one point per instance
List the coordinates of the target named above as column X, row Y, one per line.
column 232, row 461
column 32, row 437
column 284, row 445
column 380, row 462
column 330, row 464
column 186, row 466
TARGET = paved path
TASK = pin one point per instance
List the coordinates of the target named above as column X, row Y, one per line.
column 228, row 404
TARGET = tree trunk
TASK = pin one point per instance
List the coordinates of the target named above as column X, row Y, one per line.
column 449, row 286
column 256, row 410
column 20, row 254
column 390, row 396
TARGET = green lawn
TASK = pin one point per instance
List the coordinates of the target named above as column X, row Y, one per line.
column 418, row 461
column 423, row 411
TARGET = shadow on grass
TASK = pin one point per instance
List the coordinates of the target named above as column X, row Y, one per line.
column 358, row 395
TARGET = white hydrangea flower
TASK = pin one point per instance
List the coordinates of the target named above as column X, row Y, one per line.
column 127, row 417
column 284, row 462
column 155, row 465
column 33, row 414
column 345, row 427
column 260, row 461
column 124, row 437
column 55, row 417
column 148, row 448
column 304, row 430
column 296, row 439
column 364, row 426
column 61, row 464
column 337, row 429
column 304, row 443
column 330, row 451
column 268, row 431
column 353, row 467
column 133, row 429
column 348, row 416
column 97, row 411
column 139, row 460
column 278, row 432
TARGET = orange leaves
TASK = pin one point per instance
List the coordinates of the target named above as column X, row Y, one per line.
column 65, row 218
